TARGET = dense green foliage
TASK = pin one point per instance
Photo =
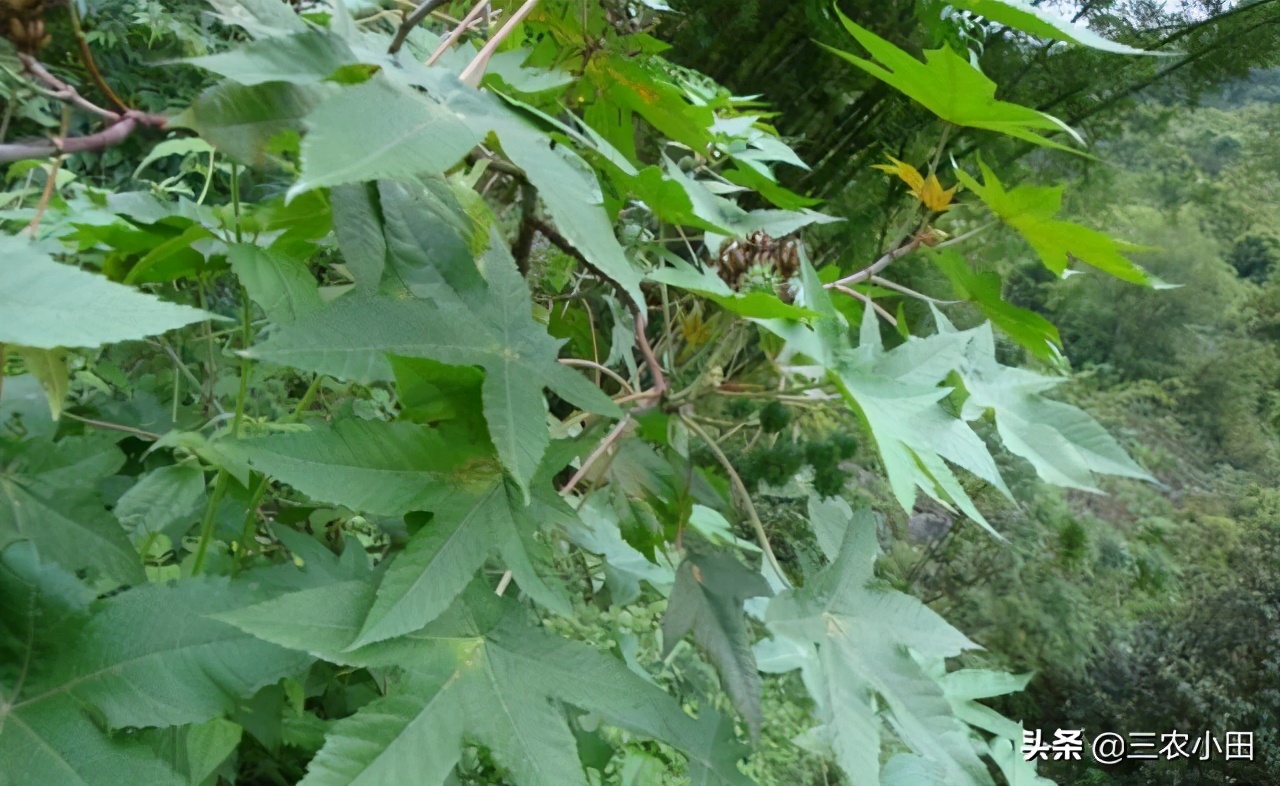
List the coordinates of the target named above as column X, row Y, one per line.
column 427, row 393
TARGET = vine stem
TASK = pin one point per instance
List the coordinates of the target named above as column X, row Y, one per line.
column 744, row 495
column 206, row 524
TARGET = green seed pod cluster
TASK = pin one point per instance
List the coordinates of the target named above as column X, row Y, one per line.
column 774, row 417
column 776, row 464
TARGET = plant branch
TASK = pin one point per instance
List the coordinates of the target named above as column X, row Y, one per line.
column 466, row 23
column 880, row 264
column 609, row 441
column 744, row 496
column 475, row 69
column 112, row 135
column 603, row 369
column 885, row 315
column 411, row 21
column 91, row 66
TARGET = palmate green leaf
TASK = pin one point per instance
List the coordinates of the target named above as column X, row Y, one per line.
column 393, row 468
column 47, row 496
column 707, row 600
column 855, row 638
column 1032, row 331
column 384, row 469
column 1063, row 443
column 914, row 435
column 491, row 327
column 1039, row 22
column 443, row 557
column 47, row 305
column 1031, row 210
column 480, row 674
column 144, row 658
column 950, row 88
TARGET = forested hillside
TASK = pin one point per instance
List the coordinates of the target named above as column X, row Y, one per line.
column 639, row 392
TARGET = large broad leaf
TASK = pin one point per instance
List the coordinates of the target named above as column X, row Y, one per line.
column 393, row 468
column 950, row 88
column 47, row 305
column 479, row 674
column 707, row 599
column 491, row 327
column 853, row 640
column 47, row 496
column 1045, row 24
column 1031, row 211
column 415, row 134
column 146, row 657
column 469, row 524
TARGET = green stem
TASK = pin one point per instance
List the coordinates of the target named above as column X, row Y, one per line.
column 206, row 524
column 246, row 369
column 235, row 199
column 305, row 402
column 250, row 527
column 744, row 495
column 246, row 315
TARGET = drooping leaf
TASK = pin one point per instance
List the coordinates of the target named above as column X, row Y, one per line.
column 1046, row 24
column 950, row 88
column 282, row 286
column 707, row 600
column 47, row 305
column 357, row 223
column 855, row 637
column 479, row 674
column 1032, row 331
column 242, row 120
column 162, row 501
column 761, row 305
column 50, row 367
column 1031, row 211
